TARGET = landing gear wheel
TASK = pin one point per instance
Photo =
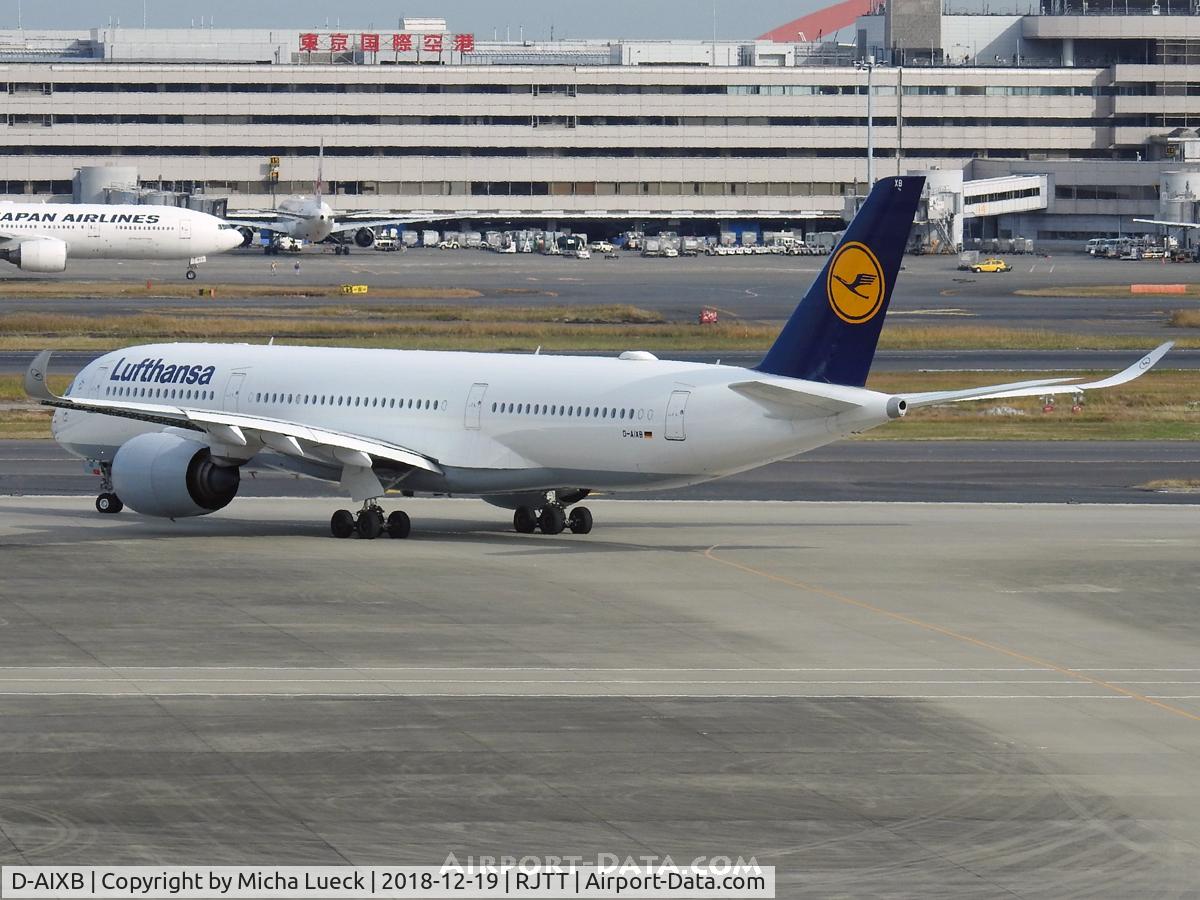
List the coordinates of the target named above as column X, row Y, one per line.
column 191, row 274
column 109, row 503
column 370, row 523
column 552, row 520
column 342, row 523
column 399, row 525
column 580, row 520
column 524, row 521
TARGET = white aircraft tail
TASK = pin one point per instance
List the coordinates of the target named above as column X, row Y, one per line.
column 319, row 184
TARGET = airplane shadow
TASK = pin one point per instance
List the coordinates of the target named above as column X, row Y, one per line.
column 84, row 527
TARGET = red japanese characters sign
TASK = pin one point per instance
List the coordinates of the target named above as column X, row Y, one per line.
column 403, row 42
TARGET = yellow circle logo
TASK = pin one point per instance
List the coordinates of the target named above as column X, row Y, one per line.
column 855, row 284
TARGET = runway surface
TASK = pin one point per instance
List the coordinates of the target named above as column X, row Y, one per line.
column 963, row 471
column 930, row 290
column 67, row 362
column 933, row 700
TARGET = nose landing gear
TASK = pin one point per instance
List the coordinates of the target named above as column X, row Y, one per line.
column 108, row 502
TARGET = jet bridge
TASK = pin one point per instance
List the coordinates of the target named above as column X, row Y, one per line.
column 1007, row 194
column 950, row 200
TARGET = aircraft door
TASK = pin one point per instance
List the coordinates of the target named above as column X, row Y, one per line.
column 475, row 406
column 676, row 407
column 96, row 387
column 233, row 391
column 185, row 229
column 93, row 230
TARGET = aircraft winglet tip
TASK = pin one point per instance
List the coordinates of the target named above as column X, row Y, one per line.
column 36, row 377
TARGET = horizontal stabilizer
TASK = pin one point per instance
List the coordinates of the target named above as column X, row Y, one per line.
column 790, row 402
column 1038, row 387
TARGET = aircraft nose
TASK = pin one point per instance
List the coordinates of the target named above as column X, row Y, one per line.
column 230, row 239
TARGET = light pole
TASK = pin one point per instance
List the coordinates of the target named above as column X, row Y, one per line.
column 869, row 65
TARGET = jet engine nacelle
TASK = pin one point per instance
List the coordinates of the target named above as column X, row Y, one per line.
column 364, row 237
column 247, row 234
column 163, row 474
column 40, row 255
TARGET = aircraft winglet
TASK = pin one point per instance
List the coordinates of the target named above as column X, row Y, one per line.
column 35, row 377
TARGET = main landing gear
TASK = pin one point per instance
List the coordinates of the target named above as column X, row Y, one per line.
column 552, row 519
column 370, row 523
column 341, row 248
column 108, row 502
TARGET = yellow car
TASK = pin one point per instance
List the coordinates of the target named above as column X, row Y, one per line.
column 991, row 265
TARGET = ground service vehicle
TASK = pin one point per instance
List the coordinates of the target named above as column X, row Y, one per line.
column 991, row 264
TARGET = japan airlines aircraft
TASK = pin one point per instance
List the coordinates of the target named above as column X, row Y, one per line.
column 169, row 427
column 41, row 237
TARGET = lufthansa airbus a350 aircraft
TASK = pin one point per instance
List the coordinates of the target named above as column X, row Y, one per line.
column 169, row 427
column 41, row 237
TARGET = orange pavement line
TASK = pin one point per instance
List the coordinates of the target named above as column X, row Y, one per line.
column 950, row 633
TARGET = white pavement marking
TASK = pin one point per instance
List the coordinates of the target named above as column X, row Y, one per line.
column 301, row 682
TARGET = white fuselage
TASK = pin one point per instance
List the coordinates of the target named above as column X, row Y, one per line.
column 493, row 422
column 305, row 218
column 98, row 231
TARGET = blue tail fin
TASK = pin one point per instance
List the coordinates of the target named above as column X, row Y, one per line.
column 832, row 334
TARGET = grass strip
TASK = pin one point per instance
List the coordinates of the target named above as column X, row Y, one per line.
column 600, row 328
column 73, row 290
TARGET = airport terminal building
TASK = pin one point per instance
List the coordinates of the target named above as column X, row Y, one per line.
column 1063, row 124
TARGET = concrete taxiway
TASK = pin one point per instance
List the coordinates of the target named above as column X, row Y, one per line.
column 878, row 699
column 954, row 471
column 68, row 362
column 929, row 292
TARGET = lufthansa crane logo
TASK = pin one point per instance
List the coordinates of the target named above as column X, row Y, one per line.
column 855, row 284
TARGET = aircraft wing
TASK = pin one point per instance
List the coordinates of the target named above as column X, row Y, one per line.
column 259, row 220
column 1039, row 387
column 376, row 219
column 238, row 430
column 8, row 238
column 1171, row 224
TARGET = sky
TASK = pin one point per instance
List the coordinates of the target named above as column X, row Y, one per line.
column 736, row 19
